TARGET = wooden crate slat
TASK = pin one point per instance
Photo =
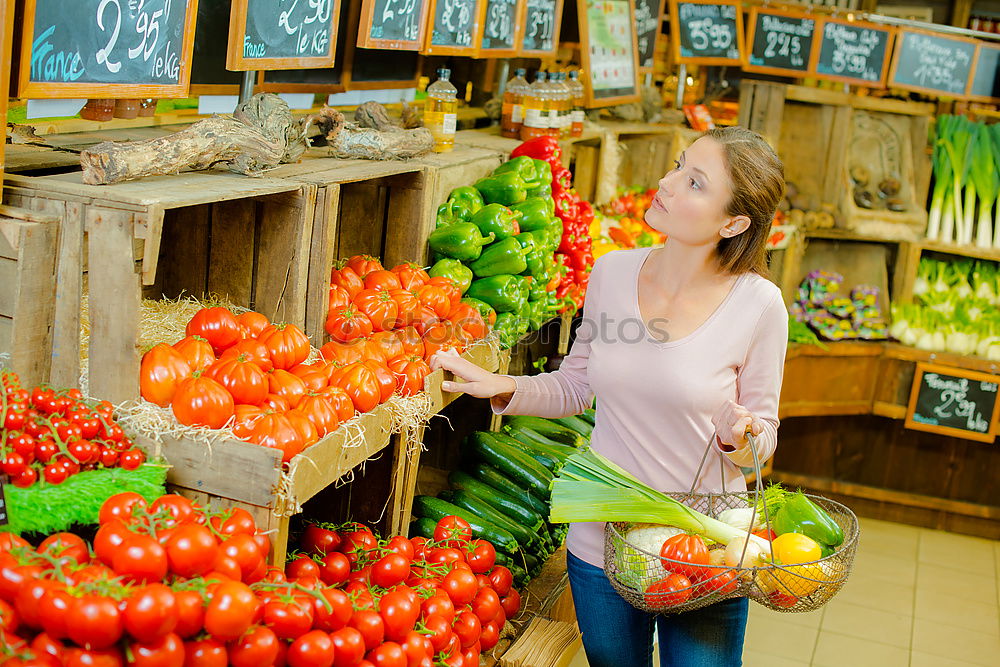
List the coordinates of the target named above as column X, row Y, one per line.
column 320, row 169
column 284, row 234
column 230, row 260
column 322, row 251
column 8, row 281
column 409, row 208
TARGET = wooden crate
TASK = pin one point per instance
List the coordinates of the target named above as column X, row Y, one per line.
column 246, row 239
column 887, row 137
column 837, row 381
column 28, row 247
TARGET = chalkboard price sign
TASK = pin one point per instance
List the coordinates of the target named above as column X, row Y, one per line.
column 853, row 52
column 953, row 401
column 780, row 42
column 932, row 63
column 393, row 24
column 707, row 32
column 106, row 48
column 648, row 14
column 608, row 50
column 282, row 34
column 540, row 35
column 984, row 85
column 455, row 27
column 500, row 28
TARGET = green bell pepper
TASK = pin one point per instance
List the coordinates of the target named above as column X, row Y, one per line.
column 536, row 292
column 459, row 240
column 523, row 166
column 506, row 188
column 536, row 315
column 466, row 201
column 536, row 213
column 505, row 256
column 555, row 232
column 498, row 219
column 485, row 309
column 535, row 260
column 543, row 171
column 506, row 328
column 801, row 515
column 551, row 305
column 454, row 269
column 525, row 282
column 502, row 293
column 527, row 241
column 540, row 189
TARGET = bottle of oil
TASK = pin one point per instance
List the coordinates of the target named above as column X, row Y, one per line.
column 576, row 93
column 512, row 115
column 536, row 108
column 441, row 111
column 564, row 101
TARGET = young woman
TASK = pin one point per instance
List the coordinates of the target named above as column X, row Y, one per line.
column 683, row 346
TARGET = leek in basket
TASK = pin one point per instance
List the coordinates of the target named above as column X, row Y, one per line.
column 592, row 488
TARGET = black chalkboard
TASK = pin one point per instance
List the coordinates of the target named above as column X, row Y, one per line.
column 454, row 27
column 208, row 64
column 985, row 84
column 541, row 26
column 932, row 63
column 395, row 21
column 106, row 48
column 289, row 30
column 953, row 401
column 853, row 52
column 709, row 33
column 499, row 27
column 781, row 42
column 647, row 27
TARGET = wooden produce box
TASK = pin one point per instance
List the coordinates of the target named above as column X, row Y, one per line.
column 245, row 239
column 840, row 132
column 28, row 247
column 840, row 380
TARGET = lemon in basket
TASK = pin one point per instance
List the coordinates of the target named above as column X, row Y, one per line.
column 799, row 574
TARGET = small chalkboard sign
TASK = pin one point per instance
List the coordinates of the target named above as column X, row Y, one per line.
column 608, row 52
column 540, row 33
column 648, row 15
column 932, row 63
column 707, row 32
column 501, row 28
column 854, row 52
column 779, row 42
column 455, row 27
column 393, row 24
column 209, row 75
column 282, row 34
column 106, row 48
column 984, row 84
column 954, row 401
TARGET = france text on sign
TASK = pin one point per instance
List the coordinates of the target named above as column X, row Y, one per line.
column 707, row 32
column 282, row 34
column 984, row 85
column 779, row 42
column 541, row 27
column 853, row 52
column 953, row 401
column 106, row 48
column 454, row 27
column 392, row 24
column 932, row 63
column 608, row 45
column 647, row 29
column 500, row 27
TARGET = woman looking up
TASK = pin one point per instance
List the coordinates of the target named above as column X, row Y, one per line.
column 683, row 347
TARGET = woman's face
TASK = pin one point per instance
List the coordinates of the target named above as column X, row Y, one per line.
column 690, row 205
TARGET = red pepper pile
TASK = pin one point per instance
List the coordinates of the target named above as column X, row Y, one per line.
column 574, row 257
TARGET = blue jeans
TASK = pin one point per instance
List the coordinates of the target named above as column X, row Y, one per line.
column 616, row 634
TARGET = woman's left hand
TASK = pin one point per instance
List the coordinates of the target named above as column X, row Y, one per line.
column 732, row 421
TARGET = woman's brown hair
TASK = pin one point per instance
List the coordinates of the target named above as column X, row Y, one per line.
column 758, row 183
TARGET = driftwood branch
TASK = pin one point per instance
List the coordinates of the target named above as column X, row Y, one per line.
column 260, row 135
column 373, row 135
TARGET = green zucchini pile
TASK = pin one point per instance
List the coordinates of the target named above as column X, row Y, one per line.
column 503, row 490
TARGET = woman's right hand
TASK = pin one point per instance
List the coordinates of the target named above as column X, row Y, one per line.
column 477, row 381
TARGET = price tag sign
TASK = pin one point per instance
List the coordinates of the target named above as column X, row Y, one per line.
column 608, row 52
column 707, row 32
column 932, row 63
column 648, row 15
column 854, row 52
column 282, row 34
column 501, row 26
column 953, row 401
column 393, row 24
column 106, row 48
column 542, row 19
column 455, row 27
column 780, row 42
column 984, row 84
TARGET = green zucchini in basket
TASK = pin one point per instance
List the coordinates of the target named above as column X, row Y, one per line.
column 512, row 462
column 511, row 507
column 551, row 430
column 489, row 475
column 437, row 509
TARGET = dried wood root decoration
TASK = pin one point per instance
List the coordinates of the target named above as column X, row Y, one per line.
column 372, row 135
column 260, row 135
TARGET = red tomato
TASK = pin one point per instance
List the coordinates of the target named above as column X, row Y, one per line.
column 66, row 546
column 277, row 432
column 399, row 614
column 439, row 605
column 196, row 351
column 160, row 374
column 380, row 280
column 389, row 654
column 410, row 372
column 347, row 324
column 301, row 566
column 337, row 615
column 320, row 412
column 467, row 628
column 234, row 521
column 363, row 264
column 206, row 652
column 231, row 610
column 461, row 586
column 685, row 554
column 201, row 401
column 258, row 646
column 717, row 580
column 150, row 612
column 140, row 558
column 410, row 275
column 486, row 604
column 489, row 636
column 318, row 540
column 289, row 620
column 511, row 603
column 361, row 384
column 286, row 385
column 672, row 590
column 253, row 322
column 167, row 651
column 453, row 531
column 241, row 377
column 439, row 631
column 216, row 325
column 286, row 344
column 400, row 545
column 370, row 625
column 191, row 550
column 482, row 556
column 78, row 657
column 312, row 649
column 190, row 613
column 379, row 307
column 334, row 569
column 349, row 647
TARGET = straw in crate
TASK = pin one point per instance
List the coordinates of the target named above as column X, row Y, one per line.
column 665, row 566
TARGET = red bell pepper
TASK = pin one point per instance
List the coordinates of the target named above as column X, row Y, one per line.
column 562, row 177
column 566, row 207
column 541, row 148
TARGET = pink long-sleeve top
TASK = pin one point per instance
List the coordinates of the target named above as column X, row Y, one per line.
column 656, row 400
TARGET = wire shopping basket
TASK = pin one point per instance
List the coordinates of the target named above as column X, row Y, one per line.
column 641, row 577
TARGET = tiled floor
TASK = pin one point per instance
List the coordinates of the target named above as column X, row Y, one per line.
column 916, row 598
